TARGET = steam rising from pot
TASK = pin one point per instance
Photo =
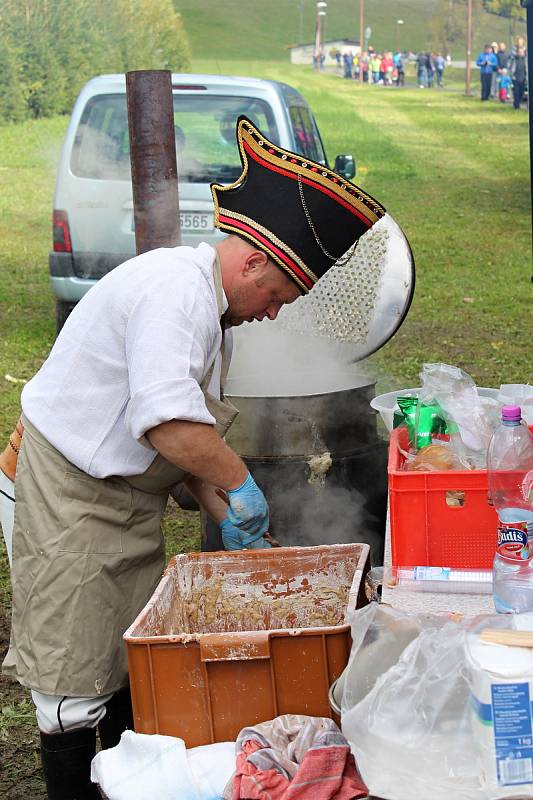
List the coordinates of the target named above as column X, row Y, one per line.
column 306, row 429
column 308, row 435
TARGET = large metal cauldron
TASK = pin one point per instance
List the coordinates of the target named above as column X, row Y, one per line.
column 320, row 463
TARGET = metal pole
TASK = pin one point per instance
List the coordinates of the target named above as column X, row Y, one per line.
column 154, row 172
column 528, row 4
column 317, row 35
column 361, row 37
column 468, row 90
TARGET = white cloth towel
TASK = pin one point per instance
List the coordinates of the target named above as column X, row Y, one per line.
column 154, row 767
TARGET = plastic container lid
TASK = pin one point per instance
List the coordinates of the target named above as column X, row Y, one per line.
column 511, row 413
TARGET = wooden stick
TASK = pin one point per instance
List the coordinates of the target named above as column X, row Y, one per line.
column 507, row 637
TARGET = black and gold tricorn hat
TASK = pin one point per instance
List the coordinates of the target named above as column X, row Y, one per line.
column 301, row 214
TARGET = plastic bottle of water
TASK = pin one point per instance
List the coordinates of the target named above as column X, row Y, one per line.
column 510, row 477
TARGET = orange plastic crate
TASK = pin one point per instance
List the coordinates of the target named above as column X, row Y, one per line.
column 427, row 529
column 229, row 639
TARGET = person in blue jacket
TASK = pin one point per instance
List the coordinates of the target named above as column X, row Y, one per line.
column 487, row 63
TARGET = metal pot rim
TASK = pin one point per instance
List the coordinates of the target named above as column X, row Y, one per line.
column 249, row 396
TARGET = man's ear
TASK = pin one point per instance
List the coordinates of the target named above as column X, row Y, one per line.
column 255, row 264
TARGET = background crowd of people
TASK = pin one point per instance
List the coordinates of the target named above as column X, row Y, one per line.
column 389, row 68
column 430, row 69
column 385, row 68
column 502, row 72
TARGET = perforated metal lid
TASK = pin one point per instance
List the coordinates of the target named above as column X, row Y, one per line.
column 362, row 302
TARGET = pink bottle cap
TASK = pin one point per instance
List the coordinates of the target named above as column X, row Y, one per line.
column 511, row 413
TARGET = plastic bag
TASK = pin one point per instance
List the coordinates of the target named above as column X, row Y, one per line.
column 423, row 421
column 475, row 417
column 142, row 766
column 408, row 710
column 433, row 458
column 437, row 456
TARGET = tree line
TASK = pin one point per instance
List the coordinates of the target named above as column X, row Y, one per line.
column 50, row 48
column 505, row 8
column 448, row 26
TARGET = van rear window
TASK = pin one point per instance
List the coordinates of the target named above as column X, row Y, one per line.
column 204, row 128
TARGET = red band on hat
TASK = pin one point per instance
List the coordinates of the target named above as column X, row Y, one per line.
column 253, row 154
column 235, row 223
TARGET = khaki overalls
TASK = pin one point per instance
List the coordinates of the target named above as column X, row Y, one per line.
column 87, row 555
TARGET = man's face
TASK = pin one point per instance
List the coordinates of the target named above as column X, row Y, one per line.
column 260, row 291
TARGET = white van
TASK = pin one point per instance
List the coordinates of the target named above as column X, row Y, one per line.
column 93, row 207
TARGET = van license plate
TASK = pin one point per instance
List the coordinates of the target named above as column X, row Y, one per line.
column 191, row 221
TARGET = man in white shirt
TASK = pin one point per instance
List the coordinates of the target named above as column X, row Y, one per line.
column 128, row 403
column 136, row 350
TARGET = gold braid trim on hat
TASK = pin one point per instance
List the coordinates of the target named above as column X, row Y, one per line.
column 217, row 187
column 269, row 235
column 249, row 235
column 302, row 167
column 344, row 190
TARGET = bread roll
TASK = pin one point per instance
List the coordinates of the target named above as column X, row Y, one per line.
column 432, row 457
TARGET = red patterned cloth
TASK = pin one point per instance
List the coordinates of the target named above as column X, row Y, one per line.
column 295, row 757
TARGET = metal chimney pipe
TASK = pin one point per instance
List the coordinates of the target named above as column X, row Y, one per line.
column 154, row 171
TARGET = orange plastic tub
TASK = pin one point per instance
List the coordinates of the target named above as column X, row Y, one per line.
column 233, row 638
column 441, row 518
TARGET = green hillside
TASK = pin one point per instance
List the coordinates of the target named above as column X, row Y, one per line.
column 233, row 29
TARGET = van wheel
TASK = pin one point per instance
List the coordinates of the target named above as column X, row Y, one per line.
column 62, row 311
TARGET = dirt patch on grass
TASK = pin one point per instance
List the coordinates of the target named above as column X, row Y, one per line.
column 21, row 775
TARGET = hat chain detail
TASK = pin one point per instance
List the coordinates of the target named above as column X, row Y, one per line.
column 336, row 259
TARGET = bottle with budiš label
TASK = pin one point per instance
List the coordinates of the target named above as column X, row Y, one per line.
column 510, row 478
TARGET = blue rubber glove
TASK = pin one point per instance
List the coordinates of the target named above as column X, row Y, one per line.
column 235, row 539
column 248, row 509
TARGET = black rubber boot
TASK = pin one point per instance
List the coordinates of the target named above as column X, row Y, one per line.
column 118, row 717
column 66, row 759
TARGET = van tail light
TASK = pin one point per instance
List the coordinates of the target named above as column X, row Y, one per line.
column 62, row 243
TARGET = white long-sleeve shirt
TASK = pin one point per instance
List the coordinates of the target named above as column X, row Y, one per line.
column 131, row 355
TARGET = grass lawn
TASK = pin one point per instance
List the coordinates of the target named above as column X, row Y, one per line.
column 452, row 171
column 264, row 31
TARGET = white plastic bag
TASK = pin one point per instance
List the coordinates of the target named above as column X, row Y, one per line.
column 144, row 766
column 408, row 711
column 476, row 417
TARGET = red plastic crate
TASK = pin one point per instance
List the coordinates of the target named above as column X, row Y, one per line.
column 425, row 529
